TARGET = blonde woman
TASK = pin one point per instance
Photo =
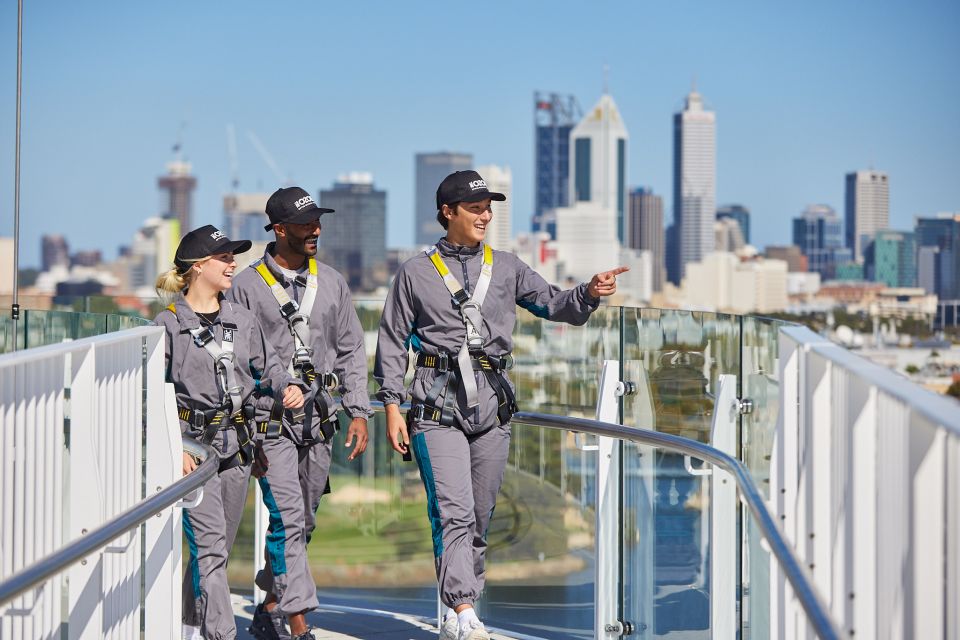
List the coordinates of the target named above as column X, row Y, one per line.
column 222, row 370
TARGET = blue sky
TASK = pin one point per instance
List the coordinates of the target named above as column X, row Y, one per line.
column 803, row 92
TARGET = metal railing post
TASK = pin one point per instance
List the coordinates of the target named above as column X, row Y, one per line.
column 606, row 576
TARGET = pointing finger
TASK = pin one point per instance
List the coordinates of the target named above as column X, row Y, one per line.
column 615, row 272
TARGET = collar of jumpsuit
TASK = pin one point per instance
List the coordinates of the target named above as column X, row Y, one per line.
column 188, row 318
column 447, row 248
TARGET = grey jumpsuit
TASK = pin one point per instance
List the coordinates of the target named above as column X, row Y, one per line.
column 211, row 526
column 297, row 475
column 419, row 313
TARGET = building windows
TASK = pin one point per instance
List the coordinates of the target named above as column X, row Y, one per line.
column 582, row 175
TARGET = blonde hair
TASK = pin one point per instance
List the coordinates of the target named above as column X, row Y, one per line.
column 173, row 281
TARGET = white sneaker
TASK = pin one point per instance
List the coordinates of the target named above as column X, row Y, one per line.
column 189, row 632
column 450, row 628
column 474, row 630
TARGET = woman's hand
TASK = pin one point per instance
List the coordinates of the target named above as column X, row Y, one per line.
column 292, row 397
column 189, row 464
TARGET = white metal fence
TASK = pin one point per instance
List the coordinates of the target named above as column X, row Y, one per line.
column 866, row 485
column 89, row 430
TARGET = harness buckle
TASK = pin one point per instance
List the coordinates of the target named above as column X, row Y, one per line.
column 201, row 339
column 288, row 310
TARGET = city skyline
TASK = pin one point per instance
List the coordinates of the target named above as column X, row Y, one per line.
column 793, row 121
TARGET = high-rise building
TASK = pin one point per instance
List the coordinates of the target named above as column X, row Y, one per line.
column 646, row 230
column 891, row 258
column 791, row 254
column 819, row 234
column 554, row 117
column 176, row 194
column 54, row 251
column 598, row 161
column 867, row 209
column 739, row 213
column 353, row 240
column 244, row 216
column 940, row 232
column 727, row 235
column 694, row 182
column 432, row 168
column 499, row 180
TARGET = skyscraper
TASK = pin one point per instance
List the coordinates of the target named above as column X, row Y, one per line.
column 554, row 116
column 694, row 182
column 432, row 168
column 867, row 208
column 499, row 180
column 940, row 232
column 891, row 258
column 244, row 216
column 819, row 234
column 54, row 251
column 353, row 240
column 646, row 230
column 176, row 194
column 739, row 213
column 598, row 158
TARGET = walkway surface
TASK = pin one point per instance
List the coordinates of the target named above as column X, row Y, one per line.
column 346, row 623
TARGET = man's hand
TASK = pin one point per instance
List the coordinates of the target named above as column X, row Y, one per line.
column 260, row 463
column 292, row 397
column 605, row 284
column 358, row 429
column 397, row 429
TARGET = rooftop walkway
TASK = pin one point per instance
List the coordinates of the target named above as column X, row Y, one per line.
column 347, row 623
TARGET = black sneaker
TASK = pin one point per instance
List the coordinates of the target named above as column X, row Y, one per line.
column 268, row 627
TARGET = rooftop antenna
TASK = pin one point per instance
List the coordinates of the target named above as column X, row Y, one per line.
column 178, row 144
column 606, row 79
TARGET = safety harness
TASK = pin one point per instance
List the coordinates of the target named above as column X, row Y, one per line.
column 230, row 412
column 301, row 364
column 440, row 401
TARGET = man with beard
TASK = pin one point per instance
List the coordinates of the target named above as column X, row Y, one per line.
column 307, row 314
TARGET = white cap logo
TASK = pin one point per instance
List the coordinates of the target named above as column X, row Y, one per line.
column 304, row 202
column 218, row 235
column 478, row 184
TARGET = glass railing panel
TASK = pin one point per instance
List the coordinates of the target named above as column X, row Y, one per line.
column 540, row 563
column 674, row 359
column 760, row 384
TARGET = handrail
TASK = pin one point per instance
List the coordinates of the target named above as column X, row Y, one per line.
column 802, row 585
column 62, row 558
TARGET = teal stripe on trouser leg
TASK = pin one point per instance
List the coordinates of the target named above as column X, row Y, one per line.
column 193, row 565
column 422, row 455
column 276, row 534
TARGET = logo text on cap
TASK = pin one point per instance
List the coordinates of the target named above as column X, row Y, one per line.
column 304, row 202
column 218, row 235
column 478, row 184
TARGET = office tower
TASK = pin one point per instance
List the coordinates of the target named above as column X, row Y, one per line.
column 867, row 208
column 941, row 232
column 727, row 235
column 54, row 251
column 432, row 168
column 88, row 258
column 353, row 240
column 671, row 257
column 176, row 194
column 499, row 180
column 646, row 230
column 244, row 216
column 891, row 258
column 819, row 234
column 554, row 117
column 598, row 161
column 791, row 254
column 694, row 182
column 739, row 213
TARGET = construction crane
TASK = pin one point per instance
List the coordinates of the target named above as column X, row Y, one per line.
column 282, row 177
column 232, row 155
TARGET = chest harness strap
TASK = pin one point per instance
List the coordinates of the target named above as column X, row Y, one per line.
column 231, row 413
column 301, row 364
column 470, row 313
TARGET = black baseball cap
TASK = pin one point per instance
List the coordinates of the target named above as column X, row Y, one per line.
column 465, row 186
column 294, row 205
column 204, row 242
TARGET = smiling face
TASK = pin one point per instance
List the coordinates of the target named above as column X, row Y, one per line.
column 216, row 272
column 467, row 221
column 297, row 241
